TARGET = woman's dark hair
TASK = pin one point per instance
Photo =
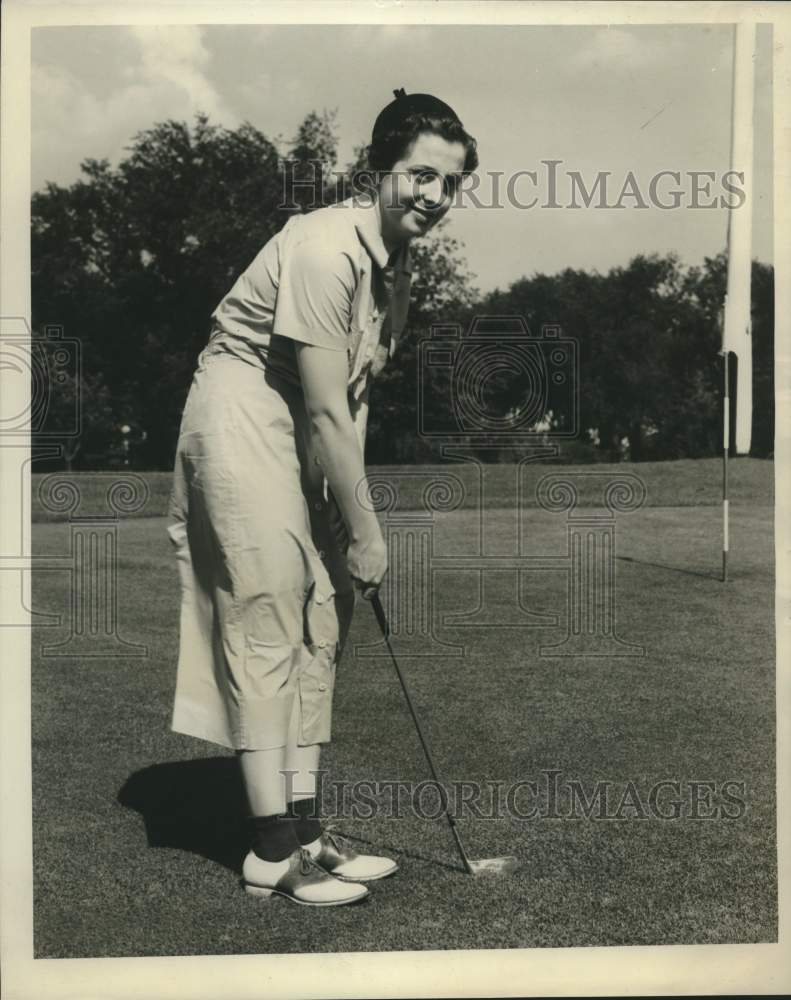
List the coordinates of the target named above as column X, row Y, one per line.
column 390, row 145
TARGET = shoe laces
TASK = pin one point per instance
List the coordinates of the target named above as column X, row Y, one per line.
column 307, row 864
column 339, row 842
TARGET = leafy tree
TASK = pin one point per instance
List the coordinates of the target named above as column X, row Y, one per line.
column 310, row 166
column 763, row 323
column 81, row 409
column 133, row 260
column 649, row 338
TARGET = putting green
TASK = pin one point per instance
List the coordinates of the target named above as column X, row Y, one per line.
column 138, row 832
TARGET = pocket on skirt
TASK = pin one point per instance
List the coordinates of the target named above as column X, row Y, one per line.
column 320, row 618
column 316, row 686
column 317, row 677
column 269, row 668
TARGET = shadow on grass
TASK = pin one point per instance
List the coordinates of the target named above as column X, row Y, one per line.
column 371, row 846
column 200, row 806
column 193, row 805
column 670, row 569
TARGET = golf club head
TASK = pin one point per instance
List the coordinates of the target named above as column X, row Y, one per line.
column 495, row 866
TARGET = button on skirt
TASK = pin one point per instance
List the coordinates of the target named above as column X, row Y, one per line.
column 265, row 594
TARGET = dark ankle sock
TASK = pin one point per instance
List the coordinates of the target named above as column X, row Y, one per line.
column 305, row 814
column 273, row 837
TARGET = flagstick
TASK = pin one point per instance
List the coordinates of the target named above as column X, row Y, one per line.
column 726, row 433
column 736, row 312
column 726, row 397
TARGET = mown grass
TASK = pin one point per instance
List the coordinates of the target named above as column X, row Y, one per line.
column 139, row 832
column 683, row 483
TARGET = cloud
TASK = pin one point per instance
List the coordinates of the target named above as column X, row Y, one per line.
column 79, row 112
column 621, row 49
column 175, row 61
column 610, row 48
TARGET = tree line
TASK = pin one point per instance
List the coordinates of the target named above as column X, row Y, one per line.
column 130, row 261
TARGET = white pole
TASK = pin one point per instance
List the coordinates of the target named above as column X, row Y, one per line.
column 737, row 325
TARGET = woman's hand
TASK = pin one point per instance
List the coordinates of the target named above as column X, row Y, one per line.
column 367, row 562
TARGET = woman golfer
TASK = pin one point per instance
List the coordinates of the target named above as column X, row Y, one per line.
column 270, row 455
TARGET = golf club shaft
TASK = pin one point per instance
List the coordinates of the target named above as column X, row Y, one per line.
column 385, row 628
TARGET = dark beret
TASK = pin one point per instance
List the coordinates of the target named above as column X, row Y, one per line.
column 391, row 117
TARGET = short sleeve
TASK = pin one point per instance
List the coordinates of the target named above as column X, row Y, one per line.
column 315, row 293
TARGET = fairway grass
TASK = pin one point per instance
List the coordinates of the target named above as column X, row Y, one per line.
column 683, row 483
column 139, row 833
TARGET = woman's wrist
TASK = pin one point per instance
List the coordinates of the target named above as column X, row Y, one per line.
column 364, row 533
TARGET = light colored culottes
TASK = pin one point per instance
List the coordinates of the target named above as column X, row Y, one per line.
column 266, row 596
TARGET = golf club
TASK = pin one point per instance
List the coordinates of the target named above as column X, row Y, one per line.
column 503, row 865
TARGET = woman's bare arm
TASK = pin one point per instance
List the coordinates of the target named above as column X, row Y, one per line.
column 336, row 444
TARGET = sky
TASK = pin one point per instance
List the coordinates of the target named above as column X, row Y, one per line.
column 597, row 98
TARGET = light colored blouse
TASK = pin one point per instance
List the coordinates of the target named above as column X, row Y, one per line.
column 326, row 279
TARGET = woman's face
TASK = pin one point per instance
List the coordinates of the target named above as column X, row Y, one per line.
column 419, row 189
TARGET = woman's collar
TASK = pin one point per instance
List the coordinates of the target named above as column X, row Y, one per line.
column 369, row 229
